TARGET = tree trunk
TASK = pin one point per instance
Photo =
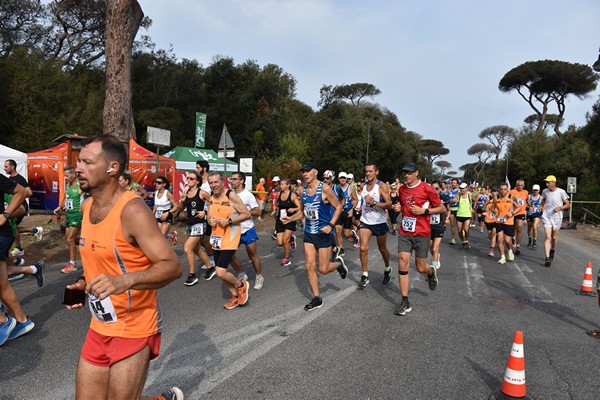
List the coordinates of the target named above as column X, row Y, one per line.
column 123, row 19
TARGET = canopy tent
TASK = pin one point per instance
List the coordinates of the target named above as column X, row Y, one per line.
column 6, row 153
column 186, row 158
column 46, row 170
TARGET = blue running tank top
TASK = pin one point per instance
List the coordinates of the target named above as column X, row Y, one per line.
column 317, row 212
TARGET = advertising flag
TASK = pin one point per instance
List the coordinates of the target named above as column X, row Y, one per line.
column 200, row 130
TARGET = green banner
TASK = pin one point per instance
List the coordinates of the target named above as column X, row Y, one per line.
column 200, row 130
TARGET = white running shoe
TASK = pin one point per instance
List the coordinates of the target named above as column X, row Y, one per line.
column 259, row 282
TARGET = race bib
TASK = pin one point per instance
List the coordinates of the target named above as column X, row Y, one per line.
column 102, row 310
column 311, row 213
column 501, row 220
column 68, row 204
column 215, row 242
column 520, row 202
column 409, row 224
column 158, row 214
column 435, row 219
column 197, row 230
column 492, row 215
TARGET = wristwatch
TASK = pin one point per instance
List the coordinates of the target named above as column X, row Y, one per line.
column 6, row 215
column 427, row 211
column 230, row 221
column 331, row 225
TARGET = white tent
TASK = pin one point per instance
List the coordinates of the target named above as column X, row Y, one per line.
column 6, row 153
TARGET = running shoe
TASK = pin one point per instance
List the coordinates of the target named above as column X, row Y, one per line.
column 315, row 303
column 547, row 262
column 453, row 242
column 173, row 394
column 274, row 236
column 17, row 252
column 403, row 308
column 342, row 269
column 19, row 262
column 21, row 328
column 335, row 253
column 243, row 293
column 517, row 250
column 191, row 280
column 356, row 245
column 394, row 232
column 39, row 275
column 467, row 246
column 491, row 253
column 242, row 276
column 209, row 274
column 386, row 276
column 511, row 255
column 69, row 268
column 174, row 238
column 6, row 328
column 342, row 252
column 551, row 255
column 39, row 233
column 293, row 242
column 15, row 277
column 355, row 237
column 439, row 264
column 530, row 243
column 259, row 282
column 231, row 304
column 462, row 245
column 534, row 245
column 285, row 262
column 433, row 279
column 364, row 281
column 502, row 260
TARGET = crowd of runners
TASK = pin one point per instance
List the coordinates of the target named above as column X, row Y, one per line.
column 126, row 248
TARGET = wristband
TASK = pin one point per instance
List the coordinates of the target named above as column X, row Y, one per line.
column 331, row 225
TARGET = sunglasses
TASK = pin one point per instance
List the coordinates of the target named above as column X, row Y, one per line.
column 159, row 183
column 191, row 178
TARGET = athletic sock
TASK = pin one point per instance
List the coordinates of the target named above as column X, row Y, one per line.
column 366, row 273
column 34, row 269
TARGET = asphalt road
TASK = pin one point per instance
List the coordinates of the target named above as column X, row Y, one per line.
column 453, row 345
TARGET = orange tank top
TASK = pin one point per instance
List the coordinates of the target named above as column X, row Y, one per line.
column 504, row 206
column 224, row 237
column 490, row 215
column 104, row 250
column 521, row 196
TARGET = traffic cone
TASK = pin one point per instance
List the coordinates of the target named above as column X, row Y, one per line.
column 586, row 286
column 513, row 385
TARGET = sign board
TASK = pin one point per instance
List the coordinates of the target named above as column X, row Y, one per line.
column 246, row 165
column 225, row 141
column 230, row 153
column 572, row 184
column 159, row 137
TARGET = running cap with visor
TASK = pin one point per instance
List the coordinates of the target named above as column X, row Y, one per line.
column 410, row 168
column 550, row 178
column 536, row 187
column 276, row 179
column 307, row 166
column 343, row 175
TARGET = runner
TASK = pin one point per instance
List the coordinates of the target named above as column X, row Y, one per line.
column 453, row 190
column 225, row 213
column 482, row 198
column 346, row 195
column 261, row 198
column 490, row 218
column 520, row 195
column 533, row 215
column 393, row 214
column 318, row 231
column 463, row 214
column 164, row 207
column 554, row 201
column 357, row 214
column 275, row 189
column 125, row 260
column 15, row 323
column 249, row 235
column 287, row 204
column 72, row 205
column 505, row 208
column 193, row 199
column 202, row 167
column 373, row 222
column 438, row 226
column 126, row 181
column 417, row 201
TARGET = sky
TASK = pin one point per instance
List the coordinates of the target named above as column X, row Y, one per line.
column 437, row 63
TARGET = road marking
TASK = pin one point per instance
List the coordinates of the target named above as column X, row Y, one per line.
column 474, row 279
column 535, row 293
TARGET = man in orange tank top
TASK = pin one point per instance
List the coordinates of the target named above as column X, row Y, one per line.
column 506, row 207
column 520, row 194
column 125, row 259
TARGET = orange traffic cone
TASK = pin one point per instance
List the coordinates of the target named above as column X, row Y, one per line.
column 586, row 286
column 513, row 385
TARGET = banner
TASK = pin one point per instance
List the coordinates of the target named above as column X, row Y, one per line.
column 200, row 130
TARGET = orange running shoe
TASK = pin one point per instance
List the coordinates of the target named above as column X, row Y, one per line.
column 233, row 303
column 69, row 268
column 243, row 293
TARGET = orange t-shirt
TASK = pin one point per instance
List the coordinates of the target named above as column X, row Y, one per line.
column 260, row 188
column 224, row 237
column 504, row 207
column 104, row 250
column 521, row 196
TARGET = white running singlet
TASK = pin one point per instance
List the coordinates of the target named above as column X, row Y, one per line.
column 372, row 215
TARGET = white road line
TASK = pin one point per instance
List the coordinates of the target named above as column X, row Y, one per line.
column 474, row 279
column 535, row 293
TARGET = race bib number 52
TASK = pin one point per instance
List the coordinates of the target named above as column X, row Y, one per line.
column 409, row 224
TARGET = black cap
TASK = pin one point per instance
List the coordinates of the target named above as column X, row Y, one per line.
column 409, row 168
column 307, row 166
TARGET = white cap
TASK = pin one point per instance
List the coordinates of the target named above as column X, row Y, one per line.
column 276, row 179
column 342, row 175
column 350, row 176
column 299, row 181
column 329, row 174
column 536, row 187
column 463, row 185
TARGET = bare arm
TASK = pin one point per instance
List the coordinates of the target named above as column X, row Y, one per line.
column 20, row 193
column 141, row 230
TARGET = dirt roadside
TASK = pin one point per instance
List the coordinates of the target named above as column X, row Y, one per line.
column 53, row 247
